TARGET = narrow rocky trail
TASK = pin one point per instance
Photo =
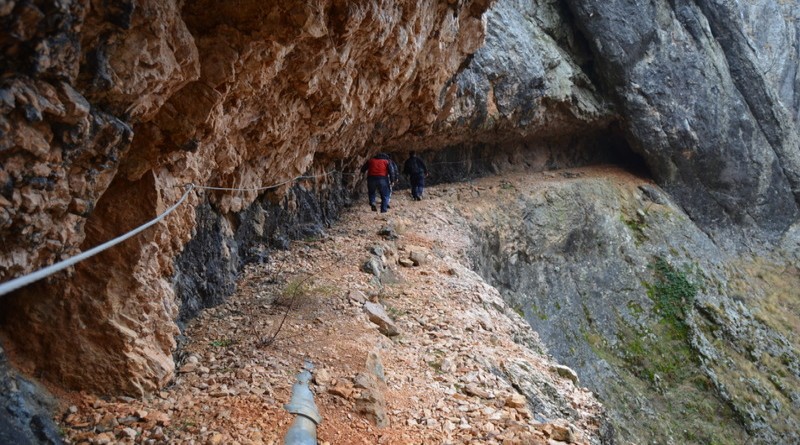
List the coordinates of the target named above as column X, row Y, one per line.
column 455, row 373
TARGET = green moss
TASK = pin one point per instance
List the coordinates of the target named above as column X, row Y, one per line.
column 637, row 226
column 635, row 308
column 540, row 314
column 223, row 343
column 656, row 361
column 673, row 293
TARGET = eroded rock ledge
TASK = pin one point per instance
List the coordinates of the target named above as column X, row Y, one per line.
column 109, row 110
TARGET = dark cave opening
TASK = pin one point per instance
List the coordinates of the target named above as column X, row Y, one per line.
column 465, row 162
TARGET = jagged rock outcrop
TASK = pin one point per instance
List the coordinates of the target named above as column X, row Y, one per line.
column 527, row 82
column 110, row 109
column 26, row 410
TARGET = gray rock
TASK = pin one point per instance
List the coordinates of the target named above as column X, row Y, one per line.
column 322, row 376
column 26, row 410
column 590, row 290
column 374, row 266
column 370, row 400
column 357, row 296
column 418, row 256
column 693, row 101
column 654, row 194
column 566, row 372
column 378, row 316
column 388, row 232
column 375, row 366
column 406, row 262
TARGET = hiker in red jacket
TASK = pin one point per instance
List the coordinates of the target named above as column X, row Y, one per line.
column 381, row 174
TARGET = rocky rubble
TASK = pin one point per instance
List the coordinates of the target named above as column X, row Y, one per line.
column 464, row 368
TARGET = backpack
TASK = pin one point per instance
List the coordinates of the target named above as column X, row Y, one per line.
column 392, row 171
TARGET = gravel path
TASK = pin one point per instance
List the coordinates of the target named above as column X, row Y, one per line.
column 464, row 367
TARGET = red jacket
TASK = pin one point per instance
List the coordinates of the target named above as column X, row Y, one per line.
column 377, row 167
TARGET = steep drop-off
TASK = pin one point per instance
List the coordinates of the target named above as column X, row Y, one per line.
column 683, row 341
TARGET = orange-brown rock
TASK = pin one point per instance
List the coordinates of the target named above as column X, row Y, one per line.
column 116, row 107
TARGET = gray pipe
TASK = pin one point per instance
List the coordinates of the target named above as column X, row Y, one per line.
column 303, row 430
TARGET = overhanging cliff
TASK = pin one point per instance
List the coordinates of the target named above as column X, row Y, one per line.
column 110, row 110
column 107, row 111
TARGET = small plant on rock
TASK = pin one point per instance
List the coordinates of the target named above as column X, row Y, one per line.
column 223, row 343
column 673, row 293
column 636, row 225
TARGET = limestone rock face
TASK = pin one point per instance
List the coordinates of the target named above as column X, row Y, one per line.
column 527, row 81
column 646, row 308
column 774, row 30
column 108, row 110
column 694, row 100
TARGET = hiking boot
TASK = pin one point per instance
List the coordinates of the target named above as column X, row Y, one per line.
column 374, row 209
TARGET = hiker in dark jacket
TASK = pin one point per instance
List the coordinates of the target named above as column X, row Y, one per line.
column 381, row 173
column 415, row 169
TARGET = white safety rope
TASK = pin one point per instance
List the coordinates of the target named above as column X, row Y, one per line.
column 258, row 189
column 24, row 280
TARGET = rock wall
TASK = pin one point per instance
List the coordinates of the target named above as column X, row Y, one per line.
column 694, row 87
column 26, row 410
column 531, row 80
column 774, row 30
column 694, row 99
column 682, row 342
column 110, row 109
column 206, row 270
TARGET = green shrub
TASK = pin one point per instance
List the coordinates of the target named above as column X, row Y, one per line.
column 672, row 292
